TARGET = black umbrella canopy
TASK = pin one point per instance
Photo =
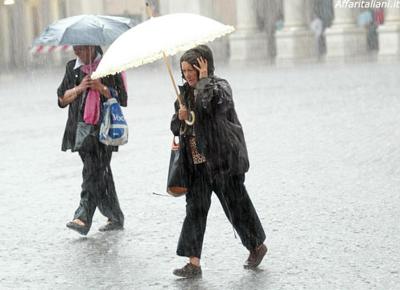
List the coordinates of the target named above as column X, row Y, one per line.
column 84, row 30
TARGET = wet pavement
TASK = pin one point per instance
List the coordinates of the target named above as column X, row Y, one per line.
column 324, row 147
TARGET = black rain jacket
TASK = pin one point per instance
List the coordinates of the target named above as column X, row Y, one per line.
column 219, row 134
column 72, row 78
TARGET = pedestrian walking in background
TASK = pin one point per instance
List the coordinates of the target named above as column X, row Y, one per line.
column 74, row 92
column 216, row 160
column 322, row 17
column 317, row 27
column 372, row 35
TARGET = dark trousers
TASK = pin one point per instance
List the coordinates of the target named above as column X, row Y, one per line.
column 98, row 188
column 236, row 204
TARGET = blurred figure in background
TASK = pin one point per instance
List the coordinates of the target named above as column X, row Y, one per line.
column 317, row 27
column 322, row 17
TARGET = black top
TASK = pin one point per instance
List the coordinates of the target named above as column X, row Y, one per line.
column 219, row 134
column 72, row 78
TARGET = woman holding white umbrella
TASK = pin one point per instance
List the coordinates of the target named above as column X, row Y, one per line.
column 216, row 159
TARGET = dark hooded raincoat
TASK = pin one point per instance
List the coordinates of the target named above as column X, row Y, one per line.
column 219, row 138
column 219, row 134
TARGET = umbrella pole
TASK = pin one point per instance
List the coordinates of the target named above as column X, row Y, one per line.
column 178, row 96
column 192, row 117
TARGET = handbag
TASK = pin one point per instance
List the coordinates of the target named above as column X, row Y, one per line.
column 83, row 137
column 177, row 181
column 85, row 133
column 113, row 127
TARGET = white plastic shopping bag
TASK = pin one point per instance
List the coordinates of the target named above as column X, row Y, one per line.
column 113, row 128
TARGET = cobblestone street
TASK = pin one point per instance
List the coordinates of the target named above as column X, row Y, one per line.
column 324, row 148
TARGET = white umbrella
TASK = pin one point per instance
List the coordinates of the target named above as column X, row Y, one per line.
column 167, row 34
column 158, row 38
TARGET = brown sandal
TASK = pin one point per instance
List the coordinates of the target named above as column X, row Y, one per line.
column 79, row 226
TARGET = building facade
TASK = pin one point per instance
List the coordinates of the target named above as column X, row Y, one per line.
column 273, row 30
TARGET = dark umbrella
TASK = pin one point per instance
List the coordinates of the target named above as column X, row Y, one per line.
column 84, row 30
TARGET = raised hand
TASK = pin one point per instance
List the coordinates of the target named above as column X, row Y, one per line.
column 202, row 68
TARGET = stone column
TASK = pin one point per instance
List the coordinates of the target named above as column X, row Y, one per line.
column 179, row 6
column 92, row 7
column 295, row 41
column 247, row 42
column 28, row 21
column 20, row 26
column 5, row 37
column 389, row 34
column 72, row 7
column 344, row 39
column 76, row 7
column 53, row 15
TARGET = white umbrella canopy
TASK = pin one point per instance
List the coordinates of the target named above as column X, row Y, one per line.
column 159, row 36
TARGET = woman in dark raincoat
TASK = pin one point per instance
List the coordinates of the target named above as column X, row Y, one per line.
column 98, row 185
column 216, row 159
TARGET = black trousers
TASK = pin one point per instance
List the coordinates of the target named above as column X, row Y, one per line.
column 236, row 204
column 98, row 188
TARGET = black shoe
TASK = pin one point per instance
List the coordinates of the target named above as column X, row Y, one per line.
column 111, row 226
column 83, row 230
column 255, row 257
column 188, row 271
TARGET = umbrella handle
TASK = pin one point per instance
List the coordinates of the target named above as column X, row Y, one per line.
column 192, row 118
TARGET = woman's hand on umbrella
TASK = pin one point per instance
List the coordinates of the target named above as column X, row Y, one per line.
column 96, row 85
column 202, row 68
column 183, row 113
column 101, row 88
column 85, row 83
